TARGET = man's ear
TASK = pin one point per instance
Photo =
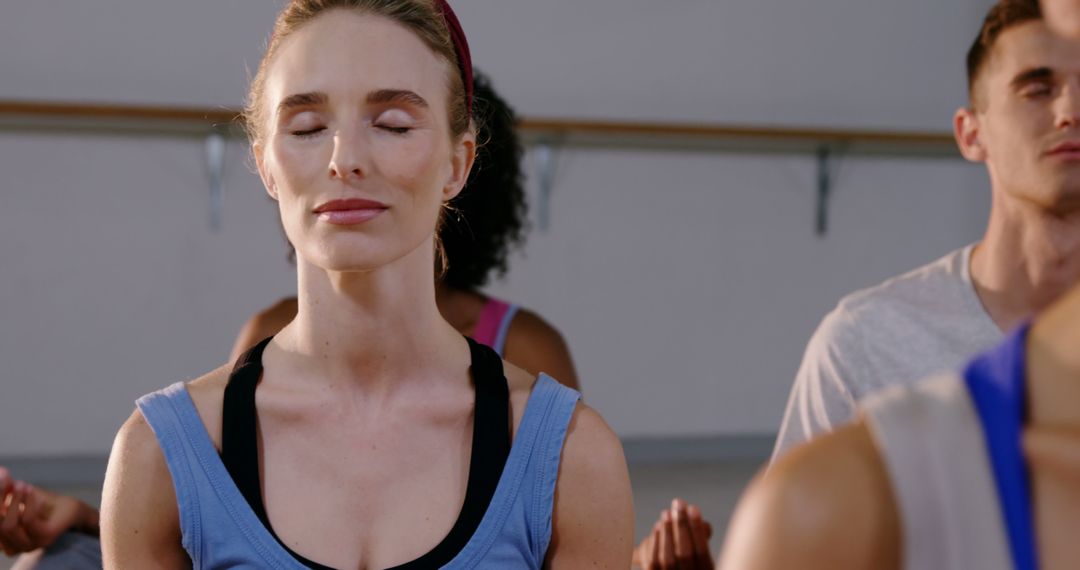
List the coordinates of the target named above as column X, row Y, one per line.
column 461, row 163
column 264, row 173
column 967, row 129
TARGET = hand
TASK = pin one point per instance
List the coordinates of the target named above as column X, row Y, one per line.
column 32, row 518
column 1063, row 16
column 679, row 541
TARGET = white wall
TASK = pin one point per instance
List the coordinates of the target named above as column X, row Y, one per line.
column 828, row 62
column 686, row 283
column 113, row 283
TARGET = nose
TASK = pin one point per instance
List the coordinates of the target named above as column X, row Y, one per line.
column 1068, row 107
column 350, row 154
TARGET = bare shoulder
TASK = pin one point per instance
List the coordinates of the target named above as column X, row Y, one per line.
column 140, row 521
column 137, row 468
column 593, row 515
column 520, row 383
column 593, row 520
column 529, row 328
column 592, row 453
column 135, row 442
column 589, row 438
column 263, row 324
column 537, row 346
column 825, row 504
column 283, row 311
column 137, row 446
column 593, row 458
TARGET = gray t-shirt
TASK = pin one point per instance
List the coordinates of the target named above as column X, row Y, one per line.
column 927, row 321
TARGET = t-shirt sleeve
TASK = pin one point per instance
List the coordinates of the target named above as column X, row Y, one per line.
column 822, row 397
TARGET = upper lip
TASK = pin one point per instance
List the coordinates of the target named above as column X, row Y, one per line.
column 1067, row 146
column 349, row 204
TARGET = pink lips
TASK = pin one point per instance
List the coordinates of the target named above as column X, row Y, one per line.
column 1066, row 150
column 350, row 211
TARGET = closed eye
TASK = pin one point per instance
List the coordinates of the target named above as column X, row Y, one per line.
column 307, row 133
column 395, row 130
column 1034, row 83
column 1036, row 90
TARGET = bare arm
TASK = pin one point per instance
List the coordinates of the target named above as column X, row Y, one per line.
column 536, row 346
column 593, row 523
column 826, row 505
column 140, row 521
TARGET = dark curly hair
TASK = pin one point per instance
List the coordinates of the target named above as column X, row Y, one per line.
column 488, row 218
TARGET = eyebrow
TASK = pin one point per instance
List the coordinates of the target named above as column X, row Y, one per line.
column 383, row 96
column 1032, row 75
column 301, row 100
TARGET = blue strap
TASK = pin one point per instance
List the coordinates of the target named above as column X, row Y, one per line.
column 996, row 381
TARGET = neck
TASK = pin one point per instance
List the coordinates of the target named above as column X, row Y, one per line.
column 376, row 327
column 1028, row 258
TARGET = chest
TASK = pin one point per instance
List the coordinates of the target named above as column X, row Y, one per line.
column 379, row 494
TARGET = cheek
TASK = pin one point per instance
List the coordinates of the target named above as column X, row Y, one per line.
column 415, row 164
column 1014, row 133
column 296, row 169
column 295, row 166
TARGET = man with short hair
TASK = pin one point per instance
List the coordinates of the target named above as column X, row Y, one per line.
column 1023, row 122
column 972, row 470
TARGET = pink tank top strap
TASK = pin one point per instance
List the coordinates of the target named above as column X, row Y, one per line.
column 493, row 324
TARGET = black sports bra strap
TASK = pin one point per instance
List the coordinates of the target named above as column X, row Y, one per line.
column 492, row 402
column 490, row 447
column 239, row 435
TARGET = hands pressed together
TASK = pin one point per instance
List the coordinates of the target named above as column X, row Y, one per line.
column 32, row 518
column 679, row 541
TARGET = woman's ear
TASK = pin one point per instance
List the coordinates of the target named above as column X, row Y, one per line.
column 461, row 163
column 967, row 130
column 264, row 173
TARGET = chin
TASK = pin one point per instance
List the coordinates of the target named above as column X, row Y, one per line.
column 363, row 257
column 347, row 257
column 1063, row 195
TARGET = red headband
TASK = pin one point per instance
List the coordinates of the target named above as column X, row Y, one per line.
column 461, row 46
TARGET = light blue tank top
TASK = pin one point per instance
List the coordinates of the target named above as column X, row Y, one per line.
column 219, row 529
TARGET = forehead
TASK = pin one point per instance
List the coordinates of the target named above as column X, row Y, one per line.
column 347, row 54
column 1033, row 45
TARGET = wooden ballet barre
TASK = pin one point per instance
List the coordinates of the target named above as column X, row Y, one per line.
column 125, row 112
column 118, row 119
column 544, row 135
column 713, row 131
column 571, row 132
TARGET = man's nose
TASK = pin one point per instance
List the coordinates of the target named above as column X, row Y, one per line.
column 1068, row 106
